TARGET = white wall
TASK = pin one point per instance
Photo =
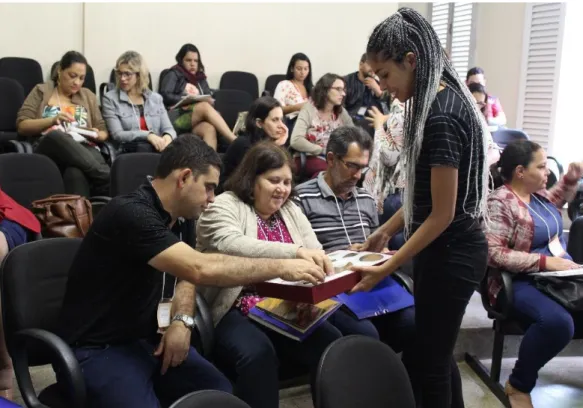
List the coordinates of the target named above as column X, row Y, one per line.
column 259, row 38
column 41, row 31
column 499, row 41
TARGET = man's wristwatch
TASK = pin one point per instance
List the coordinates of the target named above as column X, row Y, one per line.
column 186, row 319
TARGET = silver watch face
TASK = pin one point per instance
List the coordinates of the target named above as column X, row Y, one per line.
column 187, row 320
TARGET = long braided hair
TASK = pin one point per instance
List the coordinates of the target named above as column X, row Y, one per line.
column 407, row 31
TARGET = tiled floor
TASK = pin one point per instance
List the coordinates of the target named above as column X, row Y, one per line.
column 560, row 385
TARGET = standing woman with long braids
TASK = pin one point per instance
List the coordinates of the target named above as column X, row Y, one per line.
column 444, row 200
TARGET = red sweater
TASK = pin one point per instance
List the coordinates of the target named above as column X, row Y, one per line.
column 12, row 211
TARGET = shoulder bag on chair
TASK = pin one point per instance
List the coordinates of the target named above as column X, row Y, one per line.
column 63, row 215
column 567, row 291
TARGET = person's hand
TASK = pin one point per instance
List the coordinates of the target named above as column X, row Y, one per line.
column 372, row 275
column 376, row 118
column 295, row 270
column 156, row 141
column 174, row 346
column 319, row 257
column 282, row 137
column 167, row 140
column 63, row 117
column 555, row 263
column 191, row 89
column 373, row 85
column 376, row 242
column 575, row 171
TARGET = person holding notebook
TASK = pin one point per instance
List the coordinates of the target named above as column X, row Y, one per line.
column 525, row 235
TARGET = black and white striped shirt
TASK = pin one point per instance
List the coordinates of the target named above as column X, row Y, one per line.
column 318, row 203
column 446, row 142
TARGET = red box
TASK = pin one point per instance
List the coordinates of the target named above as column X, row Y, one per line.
column 342, row 282
column 308, row 293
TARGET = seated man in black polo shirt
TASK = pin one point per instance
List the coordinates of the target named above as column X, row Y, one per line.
column 116, row 303
column 362, row 93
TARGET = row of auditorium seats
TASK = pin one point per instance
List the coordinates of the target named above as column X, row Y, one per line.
column 353, row 370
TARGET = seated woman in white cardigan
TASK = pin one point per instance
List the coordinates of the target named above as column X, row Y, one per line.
column 255, row 218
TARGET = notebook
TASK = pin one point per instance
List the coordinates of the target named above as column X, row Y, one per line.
column 560, row 274
column 190, row 99
column 294, row 320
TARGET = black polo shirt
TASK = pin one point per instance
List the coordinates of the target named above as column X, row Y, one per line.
column 112, row 293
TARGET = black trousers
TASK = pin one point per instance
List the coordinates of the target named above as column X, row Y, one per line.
column 446, row 275
column 67, row 153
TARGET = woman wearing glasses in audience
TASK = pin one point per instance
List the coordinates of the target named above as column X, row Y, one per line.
column 316, row 121
column 48, row 112
column 255, row 218
column 135, row 116
column 294, row 91
column 188, row 77
column 264, row 121
column 526, row 235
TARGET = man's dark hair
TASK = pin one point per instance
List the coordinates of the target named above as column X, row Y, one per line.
column 261, row 158
column 342, row 137
column 474, row 71
column 187, row 151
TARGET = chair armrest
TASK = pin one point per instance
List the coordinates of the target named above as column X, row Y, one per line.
column 404, row 279
column 64, row 358
column 108, row 151
column 505, row 298
column 204, row 336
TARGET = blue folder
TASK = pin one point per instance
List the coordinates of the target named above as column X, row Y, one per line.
column 387, row 297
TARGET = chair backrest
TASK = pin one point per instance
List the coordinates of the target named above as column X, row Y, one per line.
column 11, row 99
column 89, row 82
column 26, row 71
column 503, row 137
column 575, row 244
column 358, row 371
column 29, row 177
column 34, row 280
column 130, row 170
column 230, row 102
column 241, row 81
column 209, row 399
column 272, row 81
column 161, row 77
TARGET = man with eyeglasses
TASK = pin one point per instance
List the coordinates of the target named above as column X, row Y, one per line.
column 342, row 214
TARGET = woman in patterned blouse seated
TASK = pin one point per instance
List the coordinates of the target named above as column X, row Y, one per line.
column 255, row 218
column 51, row 108
column 316, row 121
column 525, row 235
column 293, row 92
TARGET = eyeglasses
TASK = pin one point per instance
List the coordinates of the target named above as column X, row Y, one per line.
column 339, row 89
column 353, row 167
column 125, row 74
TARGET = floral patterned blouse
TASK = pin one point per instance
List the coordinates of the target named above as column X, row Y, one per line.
column 272, row 230
column 288, row 94
column 386, row 173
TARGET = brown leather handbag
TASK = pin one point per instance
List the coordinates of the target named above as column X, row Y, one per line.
column 63, row 216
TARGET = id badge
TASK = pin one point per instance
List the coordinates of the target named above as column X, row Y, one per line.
column 361, row 111
column 163, row 314
column 555, row 247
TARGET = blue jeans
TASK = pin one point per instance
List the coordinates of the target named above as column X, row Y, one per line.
column 250, row 354
column 550, row 329
column 391, row 205
column 128, row 376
